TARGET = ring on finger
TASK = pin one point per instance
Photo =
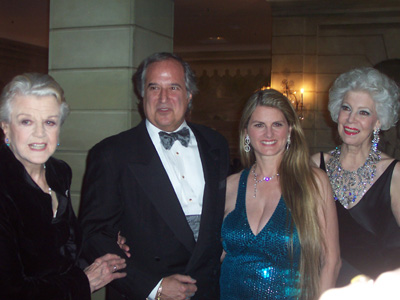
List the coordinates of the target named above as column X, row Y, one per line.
column 114, row 268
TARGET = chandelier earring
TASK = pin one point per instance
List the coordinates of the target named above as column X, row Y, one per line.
column 375, row 140
column 246, row 144
column 288, row 142
column 7, row 142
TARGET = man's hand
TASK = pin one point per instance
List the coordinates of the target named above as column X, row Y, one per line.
column 178, row 287
column 121, row 241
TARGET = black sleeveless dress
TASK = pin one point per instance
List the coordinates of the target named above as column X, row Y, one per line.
column 368, row 232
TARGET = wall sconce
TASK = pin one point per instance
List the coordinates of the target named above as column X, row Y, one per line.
column 292, row 96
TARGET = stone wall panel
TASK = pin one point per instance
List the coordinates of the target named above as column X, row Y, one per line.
column 288, row 27
column 337, row 64
column 107, row 89
column 74, row 49
column 287, row 44
column 83, row 129
column 87, row 13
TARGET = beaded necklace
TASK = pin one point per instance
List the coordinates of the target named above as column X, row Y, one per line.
column 256, row 181
column 347, row 186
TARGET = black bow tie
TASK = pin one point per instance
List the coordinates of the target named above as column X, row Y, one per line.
column 168, row 139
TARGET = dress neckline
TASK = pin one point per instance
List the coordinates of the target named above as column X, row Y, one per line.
column 244, row 177
column 380, row 178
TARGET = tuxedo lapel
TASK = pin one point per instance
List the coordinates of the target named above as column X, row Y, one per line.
column 210, row 161
column 149, row 172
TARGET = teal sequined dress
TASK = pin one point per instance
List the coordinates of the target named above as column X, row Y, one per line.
column 259, row 266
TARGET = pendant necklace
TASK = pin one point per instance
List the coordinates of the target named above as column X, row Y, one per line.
column 347, row 186
column 257, row 181
column 54, row 201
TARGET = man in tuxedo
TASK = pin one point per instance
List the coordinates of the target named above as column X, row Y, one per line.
column 162, row 186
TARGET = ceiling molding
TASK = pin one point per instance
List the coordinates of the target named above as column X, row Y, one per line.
column 321, row 7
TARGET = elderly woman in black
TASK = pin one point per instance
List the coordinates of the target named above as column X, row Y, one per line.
column 39, row 236
column 365, row 181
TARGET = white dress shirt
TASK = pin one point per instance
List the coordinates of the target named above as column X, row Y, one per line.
column 185, row 171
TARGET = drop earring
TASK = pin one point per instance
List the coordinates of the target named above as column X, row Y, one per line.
column 288, row 142
column 7, row 142
column 246, row 144
column 375, row 140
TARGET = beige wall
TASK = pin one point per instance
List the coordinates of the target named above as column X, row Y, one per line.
column 312, row 45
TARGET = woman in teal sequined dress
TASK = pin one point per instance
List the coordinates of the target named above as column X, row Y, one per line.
column 280, row 233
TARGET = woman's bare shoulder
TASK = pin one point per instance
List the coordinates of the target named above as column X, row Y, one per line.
column 316, row 158
column 320, row 175
column 384, row 163
column 234, row 177
column 232, row 184
column 323, row 184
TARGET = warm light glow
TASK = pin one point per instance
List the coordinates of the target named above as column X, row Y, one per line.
column 216, row 38
column 301, row 115
column 296, row 100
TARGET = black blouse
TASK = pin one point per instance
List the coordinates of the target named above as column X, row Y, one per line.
column 368, row 232
column 38, row 252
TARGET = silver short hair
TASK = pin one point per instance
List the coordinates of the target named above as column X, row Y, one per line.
column 35, row 84
column 383, row 90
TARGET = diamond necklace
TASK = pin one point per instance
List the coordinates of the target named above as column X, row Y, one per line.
column 347, row 186
column 256, row 181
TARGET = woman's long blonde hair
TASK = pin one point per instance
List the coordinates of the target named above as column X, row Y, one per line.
column 298, row 185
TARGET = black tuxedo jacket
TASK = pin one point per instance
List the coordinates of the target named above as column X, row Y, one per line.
column 127, row 189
